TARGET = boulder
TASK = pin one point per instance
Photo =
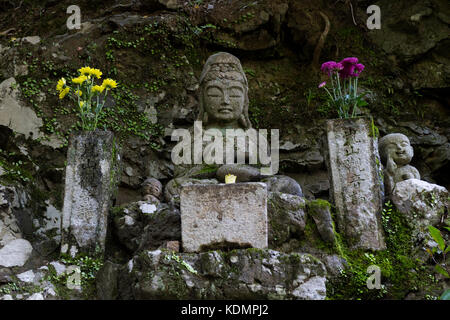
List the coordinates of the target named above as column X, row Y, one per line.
column 422, row 204
column 320, row 211
column 283, row 184
column 15, row 253
column 287, row 217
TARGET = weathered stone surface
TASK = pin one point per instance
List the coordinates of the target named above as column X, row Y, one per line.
column 415, row 34
column 239, row 274
column 106, row 281
column 48, row 234
column 320, row 211
column 356, row 186
column 27, row 276
column 421, row 202
column 91, row 178
column 137, row 228
column 283, row 184
column 36, row 296
column 173, row 187
column 223, row 215
column 287, row 217
column 15, row 253
column 9, row 228
column 14, row 114
column 243, row 172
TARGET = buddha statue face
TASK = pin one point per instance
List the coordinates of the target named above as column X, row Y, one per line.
column 152, row 186
column 223, row 93
column 397, row 147
column 224, row 101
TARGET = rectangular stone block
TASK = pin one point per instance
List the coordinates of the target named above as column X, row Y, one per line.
column 223, row 216
column 356, row 184
column 92, row 173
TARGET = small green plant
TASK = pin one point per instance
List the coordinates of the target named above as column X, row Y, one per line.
column 183, row 263
column 440, row 267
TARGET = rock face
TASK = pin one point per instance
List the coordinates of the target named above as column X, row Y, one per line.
column 355, row 181
column 213, row 216
column 239, row 274
column 416, row 33
column 421, row 202
column 91, row 178
column 14, row 114
column 9, row 228
column 138, row 228
column 287, row 216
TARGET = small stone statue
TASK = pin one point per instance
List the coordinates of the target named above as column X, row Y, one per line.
column 151, row 190
column 396, row 153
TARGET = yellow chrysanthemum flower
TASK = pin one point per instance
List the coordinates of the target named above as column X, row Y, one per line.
column 98, row 89
column 81, row 103
column 79, row 80
column 109, row 83
column 61, row 84
column 79, row 92
column 85, row 71
column 63, row 92
column 97, row 73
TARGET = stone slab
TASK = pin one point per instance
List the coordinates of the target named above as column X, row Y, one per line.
column 356, row 185
column 92, row 173
column 224, row 215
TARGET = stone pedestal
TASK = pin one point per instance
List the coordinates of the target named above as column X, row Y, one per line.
column 92, row 173
column 356, row 183
column 224, row 216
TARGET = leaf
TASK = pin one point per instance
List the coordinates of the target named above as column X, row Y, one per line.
column 448, row 228
column 446, row 295
column 441, row 270
column 436, row 234
column 447, row 249
column 362, row 103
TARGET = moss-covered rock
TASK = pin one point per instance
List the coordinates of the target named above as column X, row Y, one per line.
column 238, row 274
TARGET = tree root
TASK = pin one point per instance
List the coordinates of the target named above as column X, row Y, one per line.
column 321, row 42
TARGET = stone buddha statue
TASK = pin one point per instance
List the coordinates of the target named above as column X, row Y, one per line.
column 223, row 104
column 223, row 96
column 396, row 153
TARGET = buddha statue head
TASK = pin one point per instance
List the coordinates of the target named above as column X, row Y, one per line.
column 396, row 146
column 223, row 98
column 151, row 189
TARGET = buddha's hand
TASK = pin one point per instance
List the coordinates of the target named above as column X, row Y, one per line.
column 391, row 166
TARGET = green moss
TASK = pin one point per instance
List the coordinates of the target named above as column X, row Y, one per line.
column 401, row 273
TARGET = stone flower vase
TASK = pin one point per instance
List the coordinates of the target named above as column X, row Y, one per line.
column 92, row 175
column 356, row 185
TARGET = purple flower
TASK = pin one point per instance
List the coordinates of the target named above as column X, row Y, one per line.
column 348, row 67
column 322, row 84
column 358, row 69
column 330, row 66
